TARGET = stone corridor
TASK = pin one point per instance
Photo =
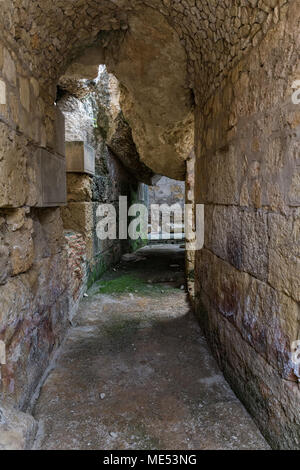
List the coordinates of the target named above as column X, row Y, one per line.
column 135, row 372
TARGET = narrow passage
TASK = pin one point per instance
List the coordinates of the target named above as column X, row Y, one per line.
column 135, row 371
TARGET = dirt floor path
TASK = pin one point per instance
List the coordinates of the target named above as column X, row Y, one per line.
column 135, row 371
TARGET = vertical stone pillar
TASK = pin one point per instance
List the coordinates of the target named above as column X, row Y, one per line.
column 190, row 199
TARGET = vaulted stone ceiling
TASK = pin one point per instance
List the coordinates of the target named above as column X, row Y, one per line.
column 165, row 53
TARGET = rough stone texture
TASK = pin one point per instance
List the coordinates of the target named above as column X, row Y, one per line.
column 192, row 45
column 190, row 255
column 34, row 304
column 17, row 430
column 136, row 373
column 115, row 130
column 90, row 119
column 14, row 178
column 160, row 111
column 79, row 187
column 167, row 191
column 76, row 253
column 247, row 277
column 78, row 216
column 80, row 158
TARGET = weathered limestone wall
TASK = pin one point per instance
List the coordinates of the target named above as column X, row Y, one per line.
column 190, row 254
column 247, row 275
column 33, row 297
column 191, row 44
column 33, row 284
column 139, row 194
column 43, row 270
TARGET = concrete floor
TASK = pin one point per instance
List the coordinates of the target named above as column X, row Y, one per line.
column 135, row 371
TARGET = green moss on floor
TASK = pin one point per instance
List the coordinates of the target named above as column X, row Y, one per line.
column 130, row 284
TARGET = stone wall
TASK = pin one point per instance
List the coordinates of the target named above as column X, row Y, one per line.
column 78, row 269
column 139, row 194
column 235, row 60
column 247, row 275
column 193, row 45
column 164, row 225
column 33, row 297
column 44, row 270
column 190, row 255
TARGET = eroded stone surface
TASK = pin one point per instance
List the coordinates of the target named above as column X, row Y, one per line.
column 17, row 429
column 248, row 274
column 192, row 45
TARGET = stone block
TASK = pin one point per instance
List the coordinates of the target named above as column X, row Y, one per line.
column 266, row 319
column 25, row 93
column 15, row 301
column 13, row 161
column 18, row 238
column 15, row 219
column 223, row 233
column 48, row 233
column 252, row 378
column 51, row 179
column 2, row 353
column 80, row 157
column 254, row 225
column 219, row 177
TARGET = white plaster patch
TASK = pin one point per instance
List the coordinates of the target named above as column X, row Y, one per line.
column 2, row 92
column 2, row 353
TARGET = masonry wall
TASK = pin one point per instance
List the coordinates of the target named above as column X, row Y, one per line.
column 190, row 254
column 247, row 275
column 33, row 265
column 84, row 122
column 167, row 191
column 48, row 255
